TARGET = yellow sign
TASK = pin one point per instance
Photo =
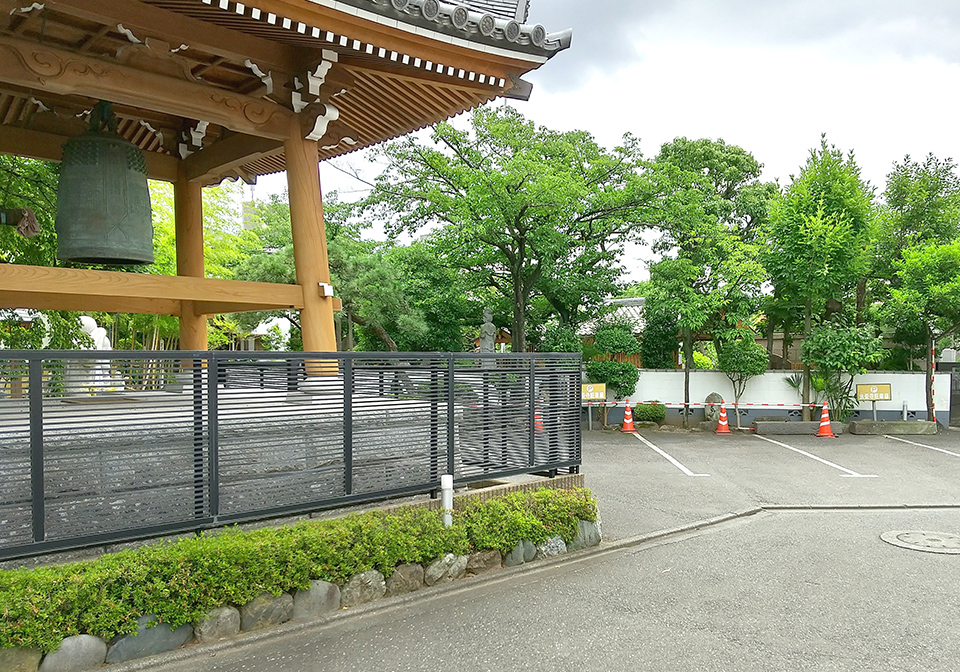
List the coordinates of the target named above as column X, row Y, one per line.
column 873, row 392
column 593, row 392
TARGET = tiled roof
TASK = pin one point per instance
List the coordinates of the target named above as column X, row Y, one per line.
column 624, row 309
column 505, row 9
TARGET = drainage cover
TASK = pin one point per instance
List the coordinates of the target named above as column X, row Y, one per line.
column 930, row 542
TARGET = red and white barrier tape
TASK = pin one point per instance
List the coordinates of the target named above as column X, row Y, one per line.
column 671, row 404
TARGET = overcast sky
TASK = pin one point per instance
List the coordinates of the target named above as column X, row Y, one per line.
column 879, row 77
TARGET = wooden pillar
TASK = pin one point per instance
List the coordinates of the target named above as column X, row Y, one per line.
column 188, row 209
column 309, row 241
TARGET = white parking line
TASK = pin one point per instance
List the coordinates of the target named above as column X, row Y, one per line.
column 847, row 473
column 922, row 445
column 670, row 459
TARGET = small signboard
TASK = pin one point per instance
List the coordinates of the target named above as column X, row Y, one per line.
column 593, row 392
column 874, row 392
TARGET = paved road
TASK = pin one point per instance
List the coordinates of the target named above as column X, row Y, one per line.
column 780, row 589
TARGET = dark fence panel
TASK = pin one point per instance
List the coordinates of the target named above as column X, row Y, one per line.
column 109, row 446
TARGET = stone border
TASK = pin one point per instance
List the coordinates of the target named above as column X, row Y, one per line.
column 266, row 611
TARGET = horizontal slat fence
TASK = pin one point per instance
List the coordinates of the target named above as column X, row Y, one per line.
column 106, row 446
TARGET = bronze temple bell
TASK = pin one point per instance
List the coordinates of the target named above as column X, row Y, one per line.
column 103, row 203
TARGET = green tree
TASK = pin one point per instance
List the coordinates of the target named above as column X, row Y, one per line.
column 615, row 339
column 709, row 277
column 921, row 205
column 659, row 343
column 742, row 359
column 522, row 209
column 816, row 239
column 732, row 174
column 840, row 353
column 929, row 296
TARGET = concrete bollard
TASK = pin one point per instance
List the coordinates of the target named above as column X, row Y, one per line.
column 446, row 498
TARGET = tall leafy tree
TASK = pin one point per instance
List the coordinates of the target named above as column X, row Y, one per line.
column 921, row 206
column 816, row 238
column 710, row 276
column 521, row 209
column 928, row 294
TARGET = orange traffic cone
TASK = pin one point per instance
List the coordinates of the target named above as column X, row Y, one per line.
column 825, row 429
column 723, row 427
column 537, row 420
column 628, row 420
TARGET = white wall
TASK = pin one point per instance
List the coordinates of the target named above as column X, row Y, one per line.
column 770, row 388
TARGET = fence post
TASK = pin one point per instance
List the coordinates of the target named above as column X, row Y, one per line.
column 434, row 427
column 35, row 390
column 348, row 426
column 451, row 419
column 213, row 427
column 533, row 412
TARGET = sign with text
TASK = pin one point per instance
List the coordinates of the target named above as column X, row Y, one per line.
column 873, row 392
column 593, row 392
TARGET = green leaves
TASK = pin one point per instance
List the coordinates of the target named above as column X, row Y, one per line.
column 840, row 353
column 180, row 581
column 535, row 215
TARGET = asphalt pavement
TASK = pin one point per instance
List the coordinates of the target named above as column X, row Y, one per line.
column 795, row 577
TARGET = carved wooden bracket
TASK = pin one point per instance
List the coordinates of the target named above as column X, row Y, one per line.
column 307, row 82
column 315, row 118
column 338, row 133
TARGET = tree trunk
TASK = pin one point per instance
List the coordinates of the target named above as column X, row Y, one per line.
column 351, row 343
column 931, row 411
column 518, row 330
column 785, row 345
column 380, row 332
column 770, row 325
column 807, row 327
column 687, row 361
column 861, row 300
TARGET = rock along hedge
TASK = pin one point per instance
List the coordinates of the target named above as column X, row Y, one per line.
column 158, row 598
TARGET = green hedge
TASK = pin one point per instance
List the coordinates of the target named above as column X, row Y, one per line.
column 181, row 581
column 650, row 412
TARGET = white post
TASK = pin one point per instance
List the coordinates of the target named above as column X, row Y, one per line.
column 904, row 410
column 446, row 499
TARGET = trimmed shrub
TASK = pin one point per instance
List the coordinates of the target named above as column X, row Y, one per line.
column 622, row 377
column 180, row 581
column 650, row 412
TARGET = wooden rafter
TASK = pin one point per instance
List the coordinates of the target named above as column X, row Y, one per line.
column 149, row 20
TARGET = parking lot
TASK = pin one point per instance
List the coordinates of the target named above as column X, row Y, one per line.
column 656, row 480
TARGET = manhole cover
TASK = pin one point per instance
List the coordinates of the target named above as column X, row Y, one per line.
column 930, row 542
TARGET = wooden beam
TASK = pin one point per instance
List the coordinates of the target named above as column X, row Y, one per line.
column 145, row 19
column 49, row 147
column 111, row 291
column 45, row 68
column 219, row 159
column 86, row 304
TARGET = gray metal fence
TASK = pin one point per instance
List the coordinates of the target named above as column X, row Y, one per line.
column 106, row 446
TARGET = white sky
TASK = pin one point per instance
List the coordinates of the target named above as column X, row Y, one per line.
column 879, row 77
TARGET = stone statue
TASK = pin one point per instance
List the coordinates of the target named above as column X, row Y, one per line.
column 97, row 333
column 488, row 332
column 90, row 376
